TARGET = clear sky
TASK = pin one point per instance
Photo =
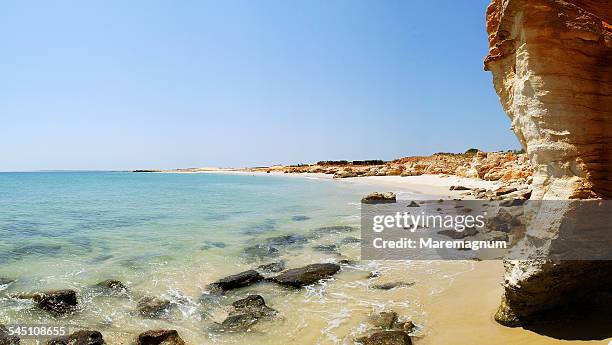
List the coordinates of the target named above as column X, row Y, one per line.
column 166, row 84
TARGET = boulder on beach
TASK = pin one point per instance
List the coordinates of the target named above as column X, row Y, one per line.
column 379, row 198
column 160, row 337
column 83, row 337
column 235, row 281
column 152, row 306
column 386, row 338
column 298, row 277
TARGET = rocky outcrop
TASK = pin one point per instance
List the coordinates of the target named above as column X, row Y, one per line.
column 503, row 166
column 551, row 68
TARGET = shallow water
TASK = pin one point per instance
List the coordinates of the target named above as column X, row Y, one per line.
column 172, row 234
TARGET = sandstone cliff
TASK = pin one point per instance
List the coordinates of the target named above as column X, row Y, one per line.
column 550, row 61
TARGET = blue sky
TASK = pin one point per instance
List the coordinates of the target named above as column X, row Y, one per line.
column 165, row 84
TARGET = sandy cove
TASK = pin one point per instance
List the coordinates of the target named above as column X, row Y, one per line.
column 463, row 312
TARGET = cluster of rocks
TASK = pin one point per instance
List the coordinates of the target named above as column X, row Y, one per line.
column 510, row 191
column 64, row 301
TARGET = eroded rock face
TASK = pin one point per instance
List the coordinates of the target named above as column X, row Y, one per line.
column 550, row 61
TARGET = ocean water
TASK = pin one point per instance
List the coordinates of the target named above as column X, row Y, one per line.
column 169, row 235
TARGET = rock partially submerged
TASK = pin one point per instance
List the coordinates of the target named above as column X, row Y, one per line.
column 5, row 281
column 386, row 338
column 152, row 306
column 247, row 312
column 332, row 230
column 235, row 281
column 298, row 277
column 384, row 320
column 160, row 337
column 286, row 240
column 325, row 248
column 391, row 285
column 6, row 339
column 112, row 286
column 379, row 198
column 84, row 337
column 273, row 267
column 260, row 251
column 57, row 302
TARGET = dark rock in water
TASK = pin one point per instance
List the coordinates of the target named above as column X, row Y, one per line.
column 56, row 301
column 346, row 262
column 391, row 285
column 212, row 244
column 274, row 267
column 236, row 281
column 379, row 198
column 350, row 239
column 5, row 281
column 239, row 322
column 152, row 306
column 384, row 320
column 325, row 248
column 454, row 234
column 253, row 304
column 6, row 339
column 247, row 312
column 112, row 285
column 386, row 338
column 84, row 337
column 332, row 230
column 160, row 337
column 299, row 218
column 306, row 275
column 413, row 204
column 286, row 240
column 260, row 251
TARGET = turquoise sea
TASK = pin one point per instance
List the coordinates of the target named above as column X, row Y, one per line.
column 169, row 235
